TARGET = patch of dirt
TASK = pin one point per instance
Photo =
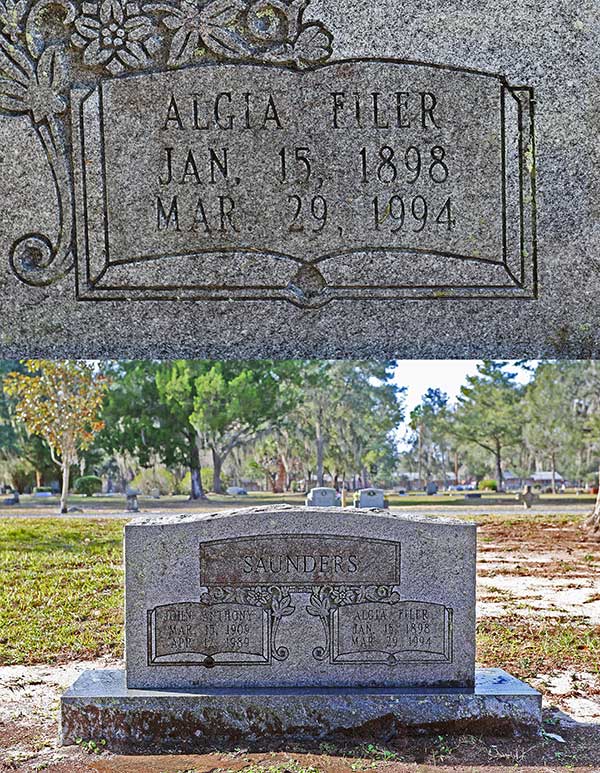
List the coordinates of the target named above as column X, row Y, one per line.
column 29, row 698
column 29, row 702
column 542, row 569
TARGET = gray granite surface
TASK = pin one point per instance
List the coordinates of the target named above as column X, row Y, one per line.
column 299, row 597
column 353, row 179
column 100, row 706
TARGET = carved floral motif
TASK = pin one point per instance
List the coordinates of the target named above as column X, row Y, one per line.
column 11, row 16
column 115, row 36
column 32, row 88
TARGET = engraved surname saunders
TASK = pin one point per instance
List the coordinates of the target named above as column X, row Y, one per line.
column 308, row 564
column 299, row 560
column 376, row 110
column 226, row 110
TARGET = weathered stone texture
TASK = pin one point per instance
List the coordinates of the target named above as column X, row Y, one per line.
column 357, row 179
column 99, row 706
column 298, row 597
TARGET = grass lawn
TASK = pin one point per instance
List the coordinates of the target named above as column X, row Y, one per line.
column 61, row 589
column 61, row 594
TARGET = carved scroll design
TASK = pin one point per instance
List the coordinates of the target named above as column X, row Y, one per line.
column 326, row 599
column 276, row 600
column 32, row 80
column 112, row 36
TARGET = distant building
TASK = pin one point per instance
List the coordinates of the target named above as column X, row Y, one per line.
column 546, row 477
column 512, row 482
column 543, row 479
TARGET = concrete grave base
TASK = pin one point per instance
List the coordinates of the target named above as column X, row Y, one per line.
column 100, row 706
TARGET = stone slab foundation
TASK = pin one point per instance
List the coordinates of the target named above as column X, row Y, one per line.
column 100, row 707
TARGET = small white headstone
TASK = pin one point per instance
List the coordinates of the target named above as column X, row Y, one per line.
column 370, row 497
column 322, row 497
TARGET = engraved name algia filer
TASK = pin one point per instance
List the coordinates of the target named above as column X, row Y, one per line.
column 249, row 586
column 211, row 149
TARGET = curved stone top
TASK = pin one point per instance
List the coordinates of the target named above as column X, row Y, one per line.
column 298, row 510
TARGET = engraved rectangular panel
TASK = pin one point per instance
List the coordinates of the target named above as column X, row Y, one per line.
column 299, row 560
column 405, row 631
column 354, row 179
column 188, row 633
column 187, row 194
column 299, row 597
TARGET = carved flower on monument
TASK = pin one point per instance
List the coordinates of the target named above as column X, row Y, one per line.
column 264, row 30
column 199, row 24
column 259, row 597
column 31, row 88
column 11, row 15
column 342, row 595
column 116, row 35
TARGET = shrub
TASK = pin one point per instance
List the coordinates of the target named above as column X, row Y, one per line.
column 487, row 485
column 42, row 490
column 88, row 485
column 155, row 480
column 207, row 475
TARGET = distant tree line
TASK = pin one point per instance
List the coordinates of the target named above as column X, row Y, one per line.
column 278, row 421
column 200, row 424
column 550, row 423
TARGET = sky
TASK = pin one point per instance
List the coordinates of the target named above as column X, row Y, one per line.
column 448, row 375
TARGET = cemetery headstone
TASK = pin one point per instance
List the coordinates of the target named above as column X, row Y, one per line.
column 293, row 622
column 527, row 497
column 238, row 491
column 370, row 497
column 133, row 505
column 322, row 497
column 276, row 179
column 14, row 499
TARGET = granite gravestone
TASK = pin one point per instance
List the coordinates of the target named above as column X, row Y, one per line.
column 370, row 497
column 261, row 179
column 322, row 496
column 295, row 622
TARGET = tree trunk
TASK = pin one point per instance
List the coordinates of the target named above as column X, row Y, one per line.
column 217, row 469
column 553, row 463
column 196, row 490
column 593, row 521
column 286, row 469
column 499, row 476
column 444, row 476
column 65, row 486
column 279, row 484
column 320, row 453
column 456, row 468
column 419, row 458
